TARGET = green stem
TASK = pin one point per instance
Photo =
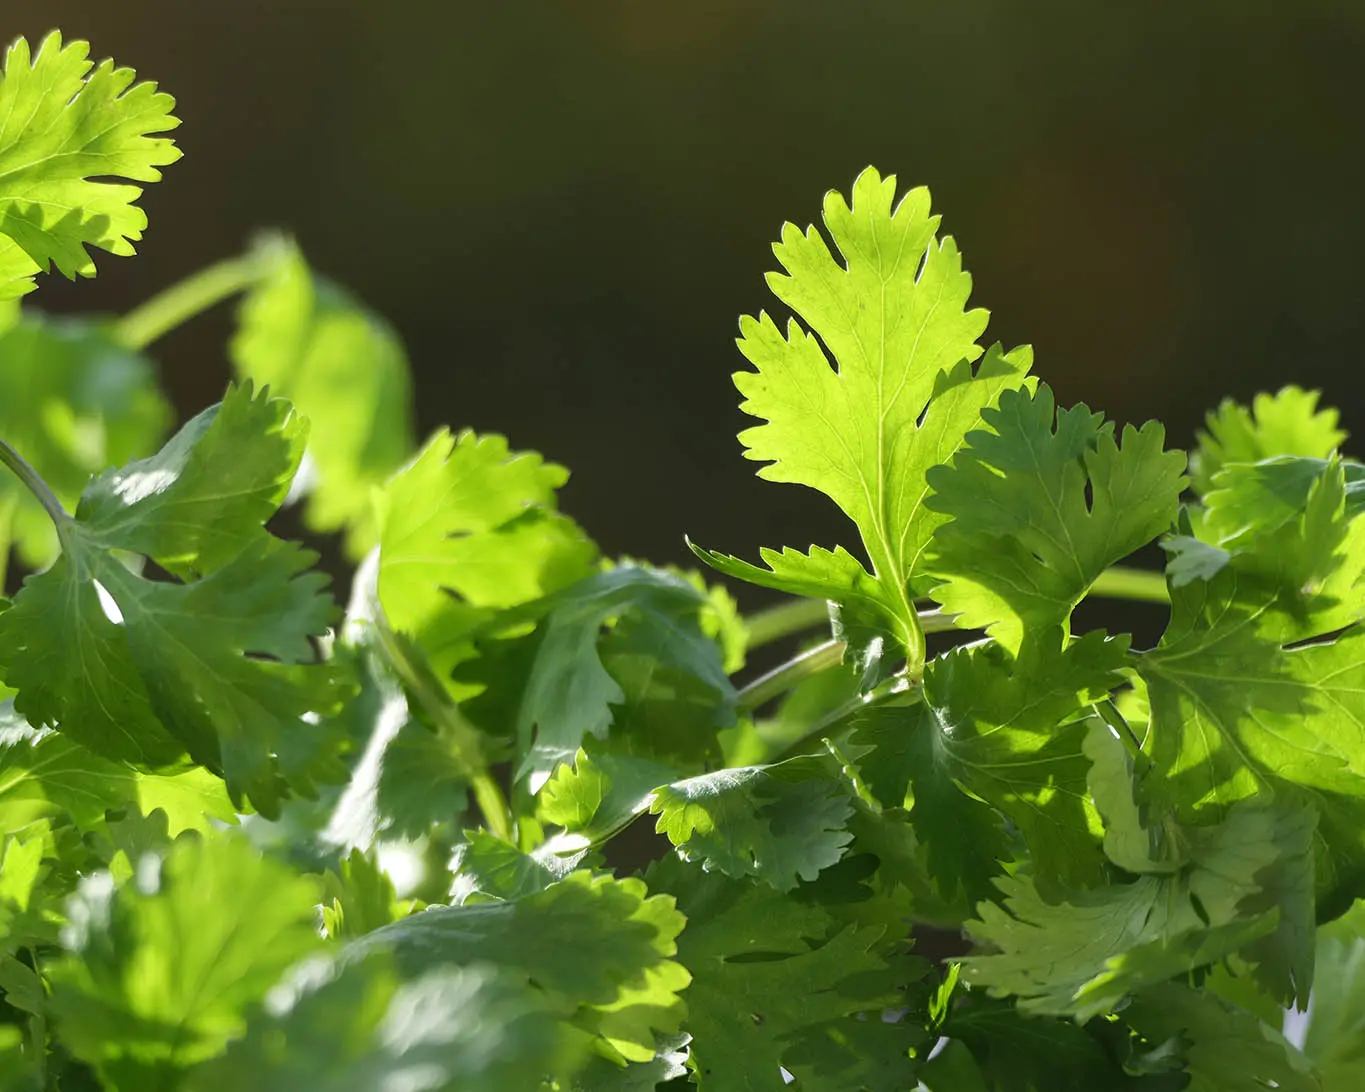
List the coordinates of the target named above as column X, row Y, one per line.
column 194, row 295
column 786, row 676
column 35, row 484
column 1121, row 582
column 892, row 688
column 427, row 689
column 785, row 620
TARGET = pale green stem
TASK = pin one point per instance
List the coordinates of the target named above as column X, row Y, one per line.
column 34, row 483
column 786, row 676
column 427, row 689
column 799, row 615
column 892, row 688
column 194, row 295
column 1121, row 582
column 784, row 620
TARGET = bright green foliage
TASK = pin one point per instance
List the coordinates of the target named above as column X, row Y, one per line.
column 345, row 370
column 1225, row 1048
column 363, row 1027
column 988, row 727
column 467, row 528
column 778, row 824
column 1036, row 861
column 1040, row 509
column 569, row 693
column 617, row 975
column 127, row 666
column 771, row 975
column 1083, row 957
column 894, row 317
column 152, row 982
column 596, row 796
column 73, row 402
column 1335, row 1039
column 44, row 776
column 67, row 122
column 1285, row 423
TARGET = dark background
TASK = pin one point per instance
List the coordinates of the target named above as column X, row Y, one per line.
column 565, row 206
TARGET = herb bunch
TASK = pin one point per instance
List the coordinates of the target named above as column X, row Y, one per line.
column 254, row 839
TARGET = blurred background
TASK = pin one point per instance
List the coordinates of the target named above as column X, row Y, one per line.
column 565, row 206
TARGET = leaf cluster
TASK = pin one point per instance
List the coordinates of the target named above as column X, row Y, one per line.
column 515, row 815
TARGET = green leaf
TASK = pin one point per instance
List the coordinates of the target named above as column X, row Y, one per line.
column 1293, row 523
column 471, row 519
column 597, row 795
column 1225, row 1048
column 359, row 897
column 892, row 315
column 152, row 982
column 66, row 125
column 344, row 369
column 487, row 869
column 599, row 947
column 569, row 693
column 769, row 975
column 126, row 666
column 1040, row 507
column 1335, row 1038
column 1081, row 957
column 363, row 1027
column 1008, row 736
column 1020, row 1053
column 72, row 402
column 409, row 777
column 44, row 776
column 776, row 823
column 1285, row 423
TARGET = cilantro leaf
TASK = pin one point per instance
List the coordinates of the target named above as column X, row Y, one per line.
column 469, row 517
column 487, row 869
column 1285, row 423
column 125, row 665
column 1335, row 1038
column 617, row 975
column 66, row 125
column 72, row 402
column 1081, row 957
column 362, row 897
column 1040, row 507
column 362, row 1026
column 597, row 795
column 769, row 974
column 568, row 693
column 44, row 775
column 344, row 369
column 777, row 823
column 151, row 982
column 893, row 316
column 1225, row 1049
column 1007, row 735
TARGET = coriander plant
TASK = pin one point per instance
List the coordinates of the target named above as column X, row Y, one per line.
column 252, row 840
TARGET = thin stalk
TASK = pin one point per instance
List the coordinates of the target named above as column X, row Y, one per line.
column 785, row 620
column 194, row 295
column 786, row 676
column 1122, row 582
column 428, row 691
column 35, row 485
column 892, row 688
